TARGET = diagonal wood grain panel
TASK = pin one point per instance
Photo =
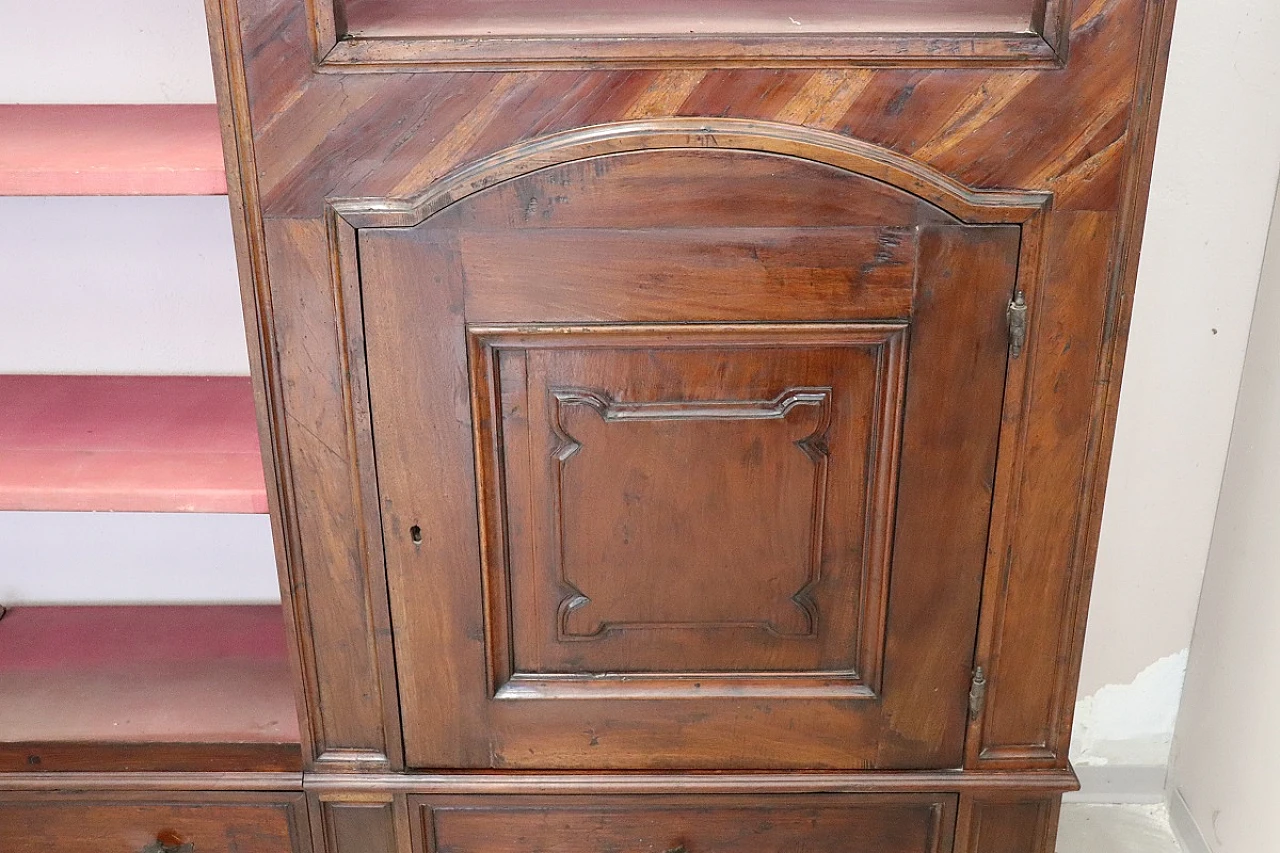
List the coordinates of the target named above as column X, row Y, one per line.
column 1031, row 129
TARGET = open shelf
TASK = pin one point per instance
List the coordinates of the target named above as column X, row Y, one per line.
column 129, row 443
column 183, row 688
column 151, row 149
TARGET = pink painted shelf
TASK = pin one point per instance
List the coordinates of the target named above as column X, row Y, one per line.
column 129, row 443
column 97, row 688
column 111, row 149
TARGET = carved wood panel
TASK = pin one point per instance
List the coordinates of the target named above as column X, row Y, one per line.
column 643, row 521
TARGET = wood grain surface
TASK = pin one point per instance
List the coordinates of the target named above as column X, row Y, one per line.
column 348, row 155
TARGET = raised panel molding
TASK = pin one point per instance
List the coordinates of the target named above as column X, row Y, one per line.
column 1010, row 822
column 363, row 822
column 800, row 621
column 829, row 624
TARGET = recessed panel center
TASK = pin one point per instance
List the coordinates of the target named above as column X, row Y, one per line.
column 640, row 526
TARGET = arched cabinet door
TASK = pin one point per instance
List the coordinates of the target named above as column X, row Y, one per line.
column 685, row 449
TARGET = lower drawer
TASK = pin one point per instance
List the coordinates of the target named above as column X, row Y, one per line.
column 813, row 823
column 125, row 822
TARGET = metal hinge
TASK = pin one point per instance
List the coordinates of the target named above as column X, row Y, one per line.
column 1017, row 316
column 977, row 693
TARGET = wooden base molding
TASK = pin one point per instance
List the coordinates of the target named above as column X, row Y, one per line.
column 1040, row 782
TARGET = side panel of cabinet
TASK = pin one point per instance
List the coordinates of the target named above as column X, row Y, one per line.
column 1007, row 822
column 363, row 822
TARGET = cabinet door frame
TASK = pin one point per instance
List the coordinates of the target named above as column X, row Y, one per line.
column 345, row 217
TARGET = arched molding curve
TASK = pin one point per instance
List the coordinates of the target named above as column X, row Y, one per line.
column 973, row 206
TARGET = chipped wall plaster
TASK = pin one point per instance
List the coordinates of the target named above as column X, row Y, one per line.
column 1131, row 724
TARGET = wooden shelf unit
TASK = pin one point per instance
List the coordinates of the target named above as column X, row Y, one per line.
column 110, row 149
column 129, row 443
column 95, row 689
column 741, row 403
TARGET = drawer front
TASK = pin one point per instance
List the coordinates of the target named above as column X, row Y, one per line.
column 813, row 823
column 124, row 822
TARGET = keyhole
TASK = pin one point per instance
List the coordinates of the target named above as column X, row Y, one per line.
column 416, row 533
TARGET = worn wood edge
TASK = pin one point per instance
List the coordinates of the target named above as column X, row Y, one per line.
column 855, row 156
column 196, row 781
column 547, row 53
column 323, row 27
column 1035, row 783
column 344, row 253
column 1056, row 29
column 227, row 54
column 1148, row 101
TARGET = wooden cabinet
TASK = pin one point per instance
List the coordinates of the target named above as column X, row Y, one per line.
column 688, row 434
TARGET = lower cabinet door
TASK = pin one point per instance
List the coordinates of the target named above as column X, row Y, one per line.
column 131, row 822
column 813, row 823
column 701, row 484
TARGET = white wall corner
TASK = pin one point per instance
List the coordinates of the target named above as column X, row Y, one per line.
column 1123, row 732
column 1185, row 827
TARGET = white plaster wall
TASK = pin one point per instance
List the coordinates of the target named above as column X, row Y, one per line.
column 1217, row 161
column 119, row 285
column 104, row 52
column 135, row 557
column 1225, row 754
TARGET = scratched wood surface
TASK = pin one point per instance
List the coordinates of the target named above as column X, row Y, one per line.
column 300, row 135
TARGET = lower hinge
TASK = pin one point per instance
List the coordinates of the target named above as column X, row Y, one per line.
column 1017, row 317
column 977, row 693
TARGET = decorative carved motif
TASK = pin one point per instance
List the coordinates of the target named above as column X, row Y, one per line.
column 565, row 425
column 813, row 445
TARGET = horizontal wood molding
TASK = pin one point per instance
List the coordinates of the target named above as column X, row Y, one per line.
column 144, row 781
column 1046, row 782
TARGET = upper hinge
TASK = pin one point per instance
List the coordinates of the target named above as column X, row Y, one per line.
column 1017, row 317
column 977, row 693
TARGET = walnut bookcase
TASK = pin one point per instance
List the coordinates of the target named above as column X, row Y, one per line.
column 685, row 430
